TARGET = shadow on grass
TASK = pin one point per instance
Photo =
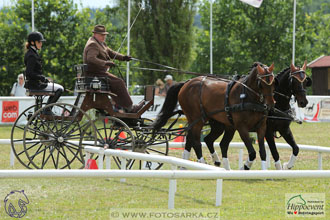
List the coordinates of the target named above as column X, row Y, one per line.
column 199, row 201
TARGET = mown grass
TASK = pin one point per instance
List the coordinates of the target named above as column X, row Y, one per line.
column 79, row 198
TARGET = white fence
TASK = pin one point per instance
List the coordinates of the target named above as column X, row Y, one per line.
column 203, row 171
column 239, row 145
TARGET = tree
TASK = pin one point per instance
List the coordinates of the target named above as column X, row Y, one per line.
column 244, row 34
column 163, row 34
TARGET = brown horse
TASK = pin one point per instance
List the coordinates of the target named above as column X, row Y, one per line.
column 291, row 81
column 239, row 105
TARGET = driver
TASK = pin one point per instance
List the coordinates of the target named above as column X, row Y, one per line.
column 97, row 55
column 35, row 80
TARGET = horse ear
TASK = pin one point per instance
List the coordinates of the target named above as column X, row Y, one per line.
column 271, row 68
column 304, row 66
column 292, row 67
column 260, row 70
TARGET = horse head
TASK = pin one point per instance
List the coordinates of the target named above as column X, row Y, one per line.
column 265, row 81
column 298, row 83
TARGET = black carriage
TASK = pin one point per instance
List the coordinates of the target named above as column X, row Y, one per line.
column 57, row 140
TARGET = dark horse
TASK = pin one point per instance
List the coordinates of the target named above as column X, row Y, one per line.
column 291, row 81
column 239, row 105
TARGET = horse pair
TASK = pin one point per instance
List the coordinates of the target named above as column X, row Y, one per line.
column 241, row 104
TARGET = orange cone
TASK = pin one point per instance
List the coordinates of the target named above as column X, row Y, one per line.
column 91, row 164
column 122, row 135
column 179, row 138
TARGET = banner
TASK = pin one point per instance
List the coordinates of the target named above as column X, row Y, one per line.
column 10, row 111
column 254, row 3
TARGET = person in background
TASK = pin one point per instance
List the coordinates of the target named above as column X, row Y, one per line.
column 169, row 82
column 18, row 87
column 160, row 88
column 35, row 80
column 98, row 56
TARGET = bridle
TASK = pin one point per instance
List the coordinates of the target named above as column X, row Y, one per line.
column 301, row 76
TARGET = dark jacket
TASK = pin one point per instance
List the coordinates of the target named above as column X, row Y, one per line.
column 95, row 56
column 33, row 71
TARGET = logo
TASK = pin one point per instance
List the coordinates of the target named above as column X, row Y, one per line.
column 305, row 205
column 10, row 111
column 15, row 204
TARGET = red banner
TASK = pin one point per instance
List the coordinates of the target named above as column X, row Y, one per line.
column 10, row 111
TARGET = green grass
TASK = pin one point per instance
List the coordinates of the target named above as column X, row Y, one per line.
column 79, row 198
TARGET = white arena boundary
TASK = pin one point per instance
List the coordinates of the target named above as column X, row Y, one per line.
column 239, row 145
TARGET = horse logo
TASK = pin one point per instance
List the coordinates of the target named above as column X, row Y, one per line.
column 13, row 199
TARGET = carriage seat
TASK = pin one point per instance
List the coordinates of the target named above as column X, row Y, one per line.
column 91, row 84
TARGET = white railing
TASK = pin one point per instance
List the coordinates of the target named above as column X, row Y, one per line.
column 239, row 145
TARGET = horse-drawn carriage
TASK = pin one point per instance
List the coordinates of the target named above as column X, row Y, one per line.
column 57, row 140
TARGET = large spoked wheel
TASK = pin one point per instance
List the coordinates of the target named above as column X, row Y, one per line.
column 16, row 137
column 55, row 136
column 151, row 143
column 113, row 133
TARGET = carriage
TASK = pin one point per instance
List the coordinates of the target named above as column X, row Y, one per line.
column 57, row 140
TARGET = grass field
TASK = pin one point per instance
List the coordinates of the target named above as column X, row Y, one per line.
column 78, row 198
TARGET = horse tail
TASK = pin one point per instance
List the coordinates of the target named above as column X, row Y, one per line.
column 169, row 105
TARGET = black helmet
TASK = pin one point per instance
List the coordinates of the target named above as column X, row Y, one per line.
column 35, row 36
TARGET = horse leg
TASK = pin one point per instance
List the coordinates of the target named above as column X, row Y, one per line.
column 288, row 137
column 244, row 134
column 216, row 130
column 272, row 146
column 196, row 141
column 224, row 144
column 262, row 150
column 188, row 146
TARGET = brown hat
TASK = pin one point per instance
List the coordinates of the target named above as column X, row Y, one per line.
column 99, row 29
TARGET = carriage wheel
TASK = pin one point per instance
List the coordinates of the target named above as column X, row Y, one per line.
column 16, row 138
column 147, row 141
column 57, row 140
column 113, row 133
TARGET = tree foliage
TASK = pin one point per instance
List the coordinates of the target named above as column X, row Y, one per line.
column 164, row 33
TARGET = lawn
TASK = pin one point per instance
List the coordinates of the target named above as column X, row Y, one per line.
column 78, row 198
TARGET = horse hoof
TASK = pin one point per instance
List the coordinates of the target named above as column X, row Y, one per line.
column 285, row 167
column 217, row 164
column 245, row 168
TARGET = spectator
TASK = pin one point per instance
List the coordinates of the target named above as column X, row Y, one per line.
column 169, row 82
column 18, row 87
column 160, row 88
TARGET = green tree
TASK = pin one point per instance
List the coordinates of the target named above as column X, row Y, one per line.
column 12, row 35
column 164, row 34
column 243, row 34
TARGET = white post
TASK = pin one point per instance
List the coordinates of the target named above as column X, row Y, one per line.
column 32, row 15
column 171, row 193
column 123, row 167
column 100, row 160
column 12, row 157
column 87, row 157
column 218, row 194
column 211, row 47
column 128, row 39
column 294, row 32
column 108, row 162
column 320, row 160
column 240, row 158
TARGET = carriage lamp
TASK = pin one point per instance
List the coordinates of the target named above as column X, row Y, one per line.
column 95, row 84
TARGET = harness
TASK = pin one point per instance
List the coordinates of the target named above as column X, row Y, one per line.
column 243, row 106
